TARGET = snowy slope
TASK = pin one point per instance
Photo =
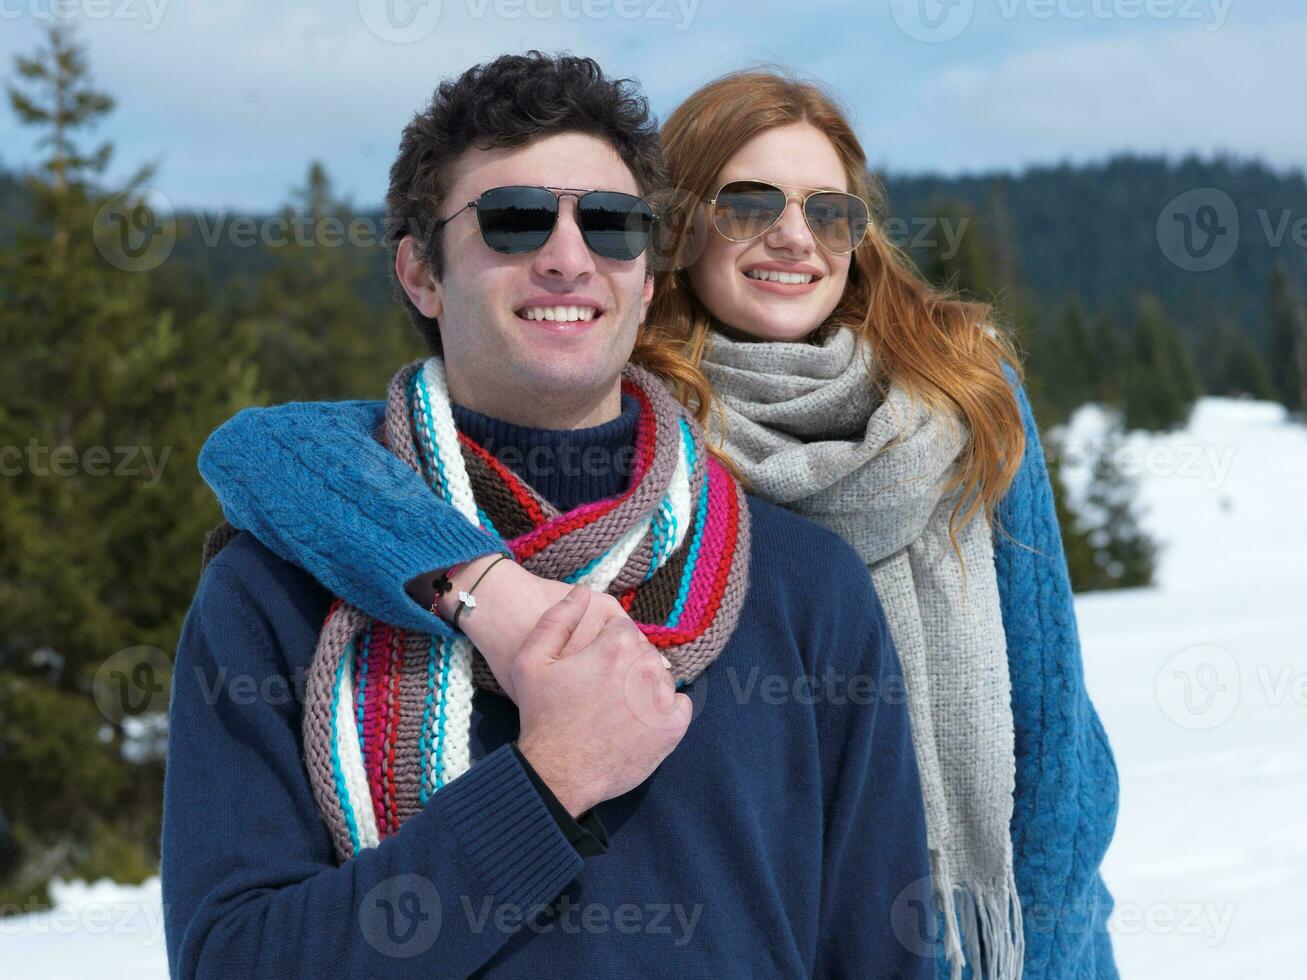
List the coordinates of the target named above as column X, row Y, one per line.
column 1201, row 682
column 100, row 931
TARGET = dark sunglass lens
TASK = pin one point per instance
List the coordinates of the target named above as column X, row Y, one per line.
column 615, row 225
column 516, row 219
column 838, row 221
column 745, row 209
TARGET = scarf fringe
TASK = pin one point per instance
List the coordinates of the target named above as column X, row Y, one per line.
column 977, row 912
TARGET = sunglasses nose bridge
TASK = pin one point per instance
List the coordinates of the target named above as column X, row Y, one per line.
column 791, row 226
column 565, row 253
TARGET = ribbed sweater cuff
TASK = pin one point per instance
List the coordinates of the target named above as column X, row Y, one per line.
column 453, row 543
column 511, row 841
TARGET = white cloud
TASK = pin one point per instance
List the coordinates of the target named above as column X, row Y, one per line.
column 1187, row 89
column 238, row 98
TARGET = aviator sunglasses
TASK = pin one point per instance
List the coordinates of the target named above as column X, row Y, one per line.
column 517, row 219
column 744, row 209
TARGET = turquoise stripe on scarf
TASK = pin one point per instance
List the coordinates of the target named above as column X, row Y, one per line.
column 423, row 796
column 440, row 484
column 700, row 515
column 336, row 768
column 445, row 658
column 362, row 679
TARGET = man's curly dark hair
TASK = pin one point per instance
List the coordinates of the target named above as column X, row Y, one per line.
column 507, row 103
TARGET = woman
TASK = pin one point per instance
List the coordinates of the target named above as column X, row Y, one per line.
column 842, row 386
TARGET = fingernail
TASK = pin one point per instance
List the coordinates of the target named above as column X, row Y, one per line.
column 574, row 594
column 667, row 663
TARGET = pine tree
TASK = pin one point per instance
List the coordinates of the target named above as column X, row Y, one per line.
column 965, row 268
column 1075, row 540
column 1288, row 324
column 1001, row 236
column 1114, row 360
column 1124, row 555
column 1064, row 365
column 1106, row 548
column 60, row 102
column 317, row 338
column 1237, row 367
column 1302, row 364
column 107, row 399
column 1161, row 383
column 1177, row 352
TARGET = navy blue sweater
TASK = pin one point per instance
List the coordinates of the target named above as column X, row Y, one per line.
column 783, row 837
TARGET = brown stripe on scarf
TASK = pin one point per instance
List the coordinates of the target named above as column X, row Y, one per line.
column 494, row 497
column 412, row 697
column 655, row 600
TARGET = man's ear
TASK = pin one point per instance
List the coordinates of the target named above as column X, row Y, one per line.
column 417, row 280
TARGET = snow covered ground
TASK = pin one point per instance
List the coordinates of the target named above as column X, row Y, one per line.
column 100, row 931
column 1201, row 682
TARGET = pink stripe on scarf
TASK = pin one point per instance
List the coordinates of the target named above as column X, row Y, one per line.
column 376, row 710
column 714, row 532
column 711, row 549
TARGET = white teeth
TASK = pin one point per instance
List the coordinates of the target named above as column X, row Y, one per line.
column 771, row 275
column 561, row 314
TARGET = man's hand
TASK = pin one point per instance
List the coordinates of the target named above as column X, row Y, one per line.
column 510, row 602
column 596, row 722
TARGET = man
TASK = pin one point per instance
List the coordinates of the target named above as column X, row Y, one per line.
column 733, row 797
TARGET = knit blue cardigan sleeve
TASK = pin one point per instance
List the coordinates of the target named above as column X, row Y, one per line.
column 1066, row 779
column 309, row 481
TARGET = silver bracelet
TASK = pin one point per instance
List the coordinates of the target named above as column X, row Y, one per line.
column 466, row 600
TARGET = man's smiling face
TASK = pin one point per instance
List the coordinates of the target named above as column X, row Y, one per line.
column 506, row 352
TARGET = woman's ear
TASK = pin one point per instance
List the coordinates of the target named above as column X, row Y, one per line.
column 646, row 296
column 417, row 280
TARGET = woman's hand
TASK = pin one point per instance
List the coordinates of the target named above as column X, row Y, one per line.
column 510, row 601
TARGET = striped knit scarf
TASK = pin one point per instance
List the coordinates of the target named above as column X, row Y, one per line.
column 388, row 713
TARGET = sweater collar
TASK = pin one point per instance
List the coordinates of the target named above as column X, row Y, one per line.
column 568, row 467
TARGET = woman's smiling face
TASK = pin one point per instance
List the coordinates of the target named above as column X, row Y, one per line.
column 730, row 278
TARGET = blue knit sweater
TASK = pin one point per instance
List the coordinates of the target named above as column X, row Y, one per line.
column 309, row 481
column 784, row 837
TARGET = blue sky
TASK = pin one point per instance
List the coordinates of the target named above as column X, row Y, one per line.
column 235, row 98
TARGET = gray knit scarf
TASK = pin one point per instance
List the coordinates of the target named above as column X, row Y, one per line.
column 809, row 431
